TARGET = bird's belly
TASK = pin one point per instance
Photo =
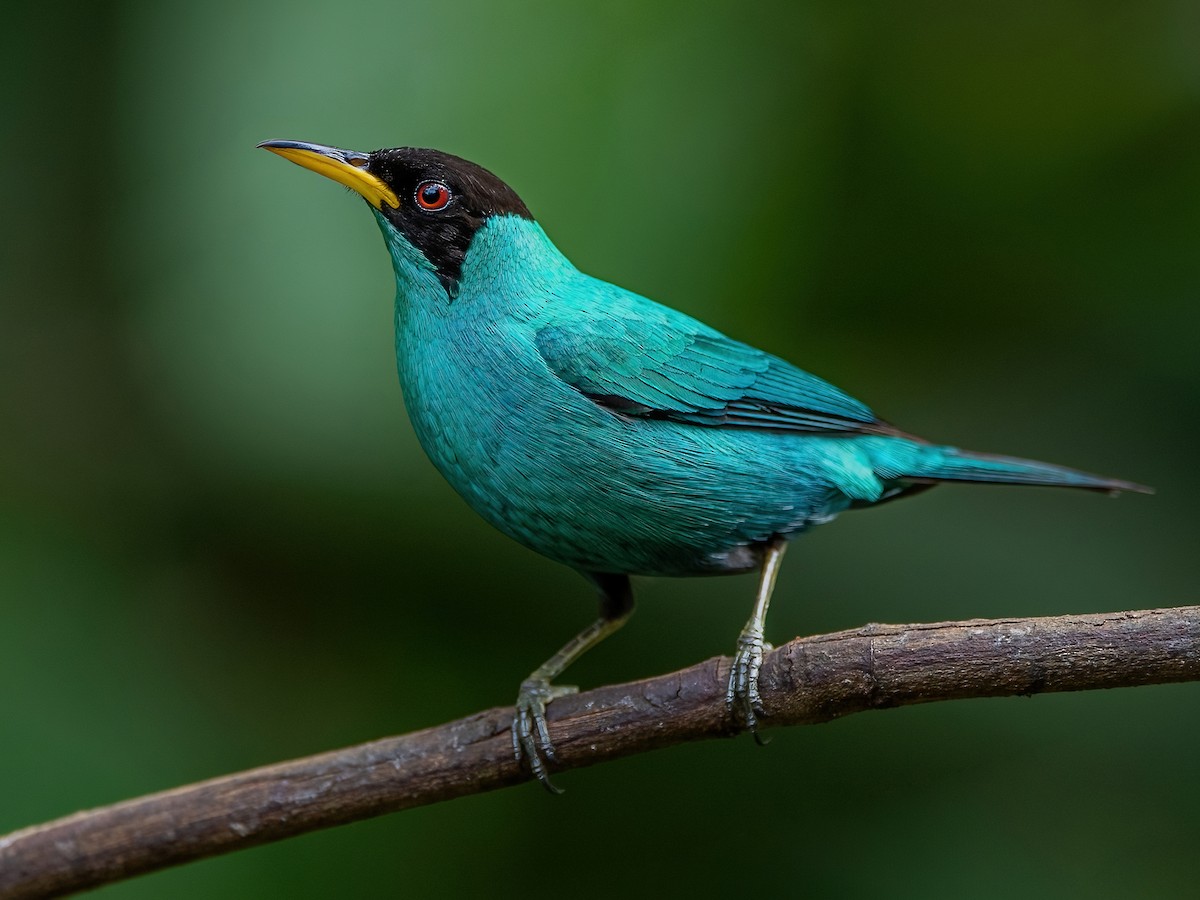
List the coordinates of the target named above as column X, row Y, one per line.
column 587, row 488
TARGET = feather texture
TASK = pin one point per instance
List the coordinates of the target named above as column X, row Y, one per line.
column 669, row 366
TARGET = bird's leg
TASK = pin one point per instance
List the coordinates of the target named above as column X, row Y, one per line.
column 530, row 735
column 742, row 695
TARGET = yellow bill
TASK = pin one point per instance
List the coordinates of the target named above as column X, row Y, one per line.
column 346, row 167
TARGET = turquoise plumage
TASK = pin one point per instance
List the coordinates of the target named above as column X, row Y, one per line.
column 647, row 442
column 608, row 432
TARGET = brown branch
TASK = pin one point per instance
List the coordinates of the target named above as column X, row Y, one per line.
column 807, row 681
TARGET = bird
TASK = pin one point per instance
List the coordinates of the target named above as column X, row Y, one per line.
column 608, row 432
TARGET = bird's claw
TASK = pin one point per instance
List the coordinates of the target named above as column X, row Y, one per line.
column 530, row 734
column 742, row 698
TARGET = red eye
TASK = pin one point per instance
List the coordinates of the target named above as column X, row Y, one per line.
column 432, row 195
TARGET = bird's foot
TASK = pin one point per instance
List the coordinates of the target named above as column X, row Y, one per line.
column 530, row 734
column 742, row 698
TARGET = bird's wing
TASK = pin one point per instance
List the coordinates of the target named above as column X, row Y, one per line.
column 671, row 367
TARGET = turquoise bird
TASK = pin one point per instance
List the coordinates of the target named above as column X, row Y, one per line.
column 611, row 433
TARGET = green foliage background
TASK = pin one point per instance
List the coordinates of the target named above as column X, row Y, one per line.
column 220, row 545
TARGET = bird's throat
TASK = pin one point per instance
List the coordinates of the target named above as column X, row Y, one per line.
column 509, row 260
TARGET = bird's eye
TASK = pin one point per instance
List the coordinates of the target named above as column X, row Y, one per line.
column 432, row 195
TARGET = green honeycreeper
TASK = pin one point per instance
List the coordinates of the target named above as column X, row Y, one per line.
column 608, row 432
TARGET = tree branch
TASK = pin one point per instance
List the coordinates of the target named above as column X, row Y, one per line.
column 809, row 680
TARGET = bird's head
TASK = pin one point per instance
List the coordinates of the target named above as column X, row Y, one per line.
column 430, row 205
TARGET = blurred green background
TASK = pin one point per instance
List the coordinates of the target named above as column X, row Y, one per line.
column 220, row 545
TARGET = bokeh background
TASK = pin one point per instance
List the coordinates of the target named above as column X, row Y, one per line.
column 220, row 545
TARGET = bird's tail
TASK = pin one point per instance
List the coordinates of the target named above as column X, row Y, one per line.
column 938, row 464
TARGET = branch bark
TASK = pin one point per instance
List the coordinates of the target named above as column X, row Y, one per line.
column 807, row 681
